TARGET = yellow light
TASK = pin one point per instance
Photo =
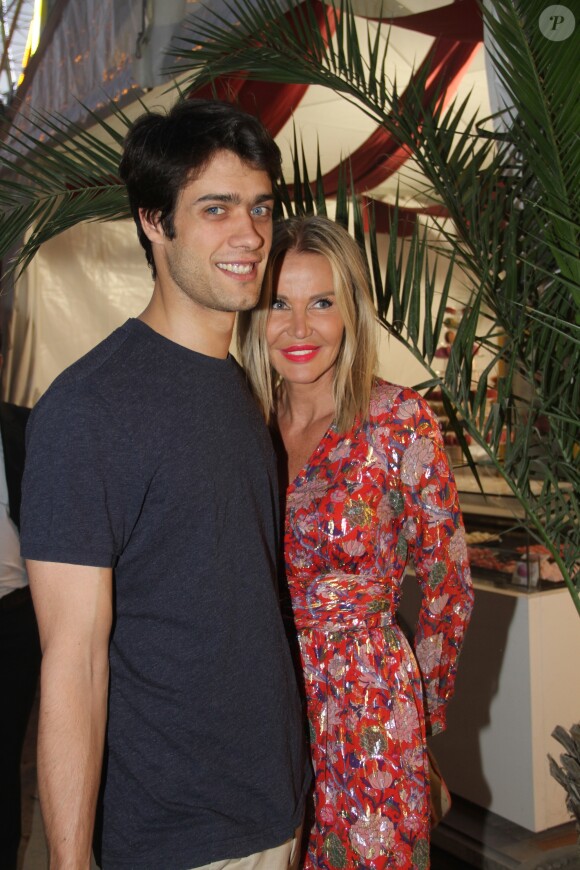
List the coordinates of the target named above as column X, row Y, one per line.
column 33, row 35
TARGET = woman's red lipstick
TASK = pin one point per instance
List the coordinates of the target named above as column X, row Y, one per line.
column 300, row 353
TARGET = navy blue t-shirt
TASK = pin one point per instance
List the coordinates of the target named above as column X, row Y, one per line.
column 152, row 459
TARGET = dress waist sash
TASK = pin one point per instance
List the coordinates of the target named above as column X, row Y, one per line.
column 341, row 602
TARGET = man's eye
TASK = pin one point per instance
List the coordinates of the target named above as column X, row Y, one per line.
column 261, row 211
column 215, row 209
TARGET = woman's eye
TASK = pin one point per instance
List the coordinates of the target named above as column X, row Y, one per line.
column 278, row 305
column 323, row 303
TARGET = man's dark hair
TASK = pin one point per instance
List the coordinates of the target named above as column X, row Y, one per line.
column 163, row 153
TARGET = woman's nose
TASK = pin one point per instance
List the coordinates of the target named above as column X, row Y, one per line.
column 300, row 325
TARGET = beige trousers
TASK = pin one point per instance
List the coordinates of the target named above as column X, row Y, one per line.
column 284, row 857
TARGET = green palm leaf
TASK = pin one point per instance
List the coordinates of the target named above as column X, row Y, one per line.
column 56, row 177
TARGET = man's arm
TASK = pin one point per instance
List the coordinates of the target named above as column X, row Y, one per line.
column 73, row 606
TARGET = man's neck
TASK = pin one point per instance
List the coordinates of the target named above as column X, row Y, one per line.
column 191, row 325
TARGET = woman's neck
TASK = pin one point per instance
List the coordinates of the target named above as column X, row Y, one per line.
column 304, row 414
column 300, row 406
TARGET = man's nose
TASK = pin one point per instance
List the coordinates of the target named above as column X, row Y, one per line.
column 246, row 234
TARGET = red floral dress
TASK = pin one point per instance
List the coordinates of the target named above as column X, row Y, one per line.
column 365, row 504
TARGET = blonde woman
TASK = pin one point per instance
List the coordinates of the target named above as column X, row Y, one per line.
column 369, row 489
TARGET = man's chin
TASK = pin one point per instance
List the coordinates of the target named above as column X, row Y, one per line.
column 249, row 303
column 244, row 302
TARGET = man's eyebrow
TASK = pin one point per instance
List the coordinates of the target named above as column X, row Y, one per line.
column 233, row 198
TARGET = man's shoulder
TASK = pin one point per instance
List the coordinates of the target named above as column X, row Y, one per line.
column 102, row 373
column 97, row 364
column 86, row 388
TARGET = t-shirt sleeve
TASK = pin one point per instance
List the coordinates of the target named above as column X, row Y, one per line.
column 73, row 502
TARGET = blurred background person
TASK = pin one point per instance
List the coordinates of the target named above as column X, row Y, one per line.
column 19, row 644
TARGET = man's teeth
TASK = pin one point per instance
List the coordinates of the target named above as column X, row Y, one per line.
column 237, row 268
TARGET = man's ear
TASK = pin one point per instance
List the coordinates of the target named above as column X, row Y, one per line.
column 151, row 224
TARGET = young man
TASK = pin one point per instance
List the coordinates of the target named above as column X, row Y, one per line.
column 150, row 529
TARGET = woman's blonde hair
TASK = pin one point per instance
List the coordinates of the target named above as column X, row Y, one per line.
column 357, row 358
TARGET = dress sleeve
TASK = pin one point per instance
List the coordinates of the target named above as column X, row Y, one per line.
column 436, row 544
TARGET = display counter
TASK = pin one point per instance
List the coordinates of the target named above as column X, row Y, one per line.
column 502, row 552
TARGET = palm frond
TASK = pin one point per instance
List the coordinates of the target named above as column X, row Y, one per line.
column 544, row 122
column 55, row 177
